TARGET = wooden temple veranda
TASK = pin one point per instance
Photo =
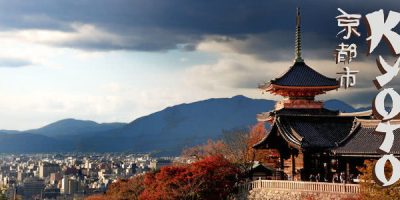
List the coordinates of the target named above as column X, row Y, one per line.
column 312, row 140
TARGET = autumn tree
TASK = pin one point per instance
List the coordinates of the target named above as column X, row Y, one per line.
column 124, row 189
column 236, row 146
column 370, row 189
column 257, row 133
column 97, row 197
column 239, row 145
column 211, row 148
column 210, row 178
column 213, row 175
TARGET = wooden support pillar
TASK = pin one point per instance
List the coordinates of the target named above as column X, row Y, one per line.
column 282, row 166
column 293, row 165
column 303, row 172
column 347, row 170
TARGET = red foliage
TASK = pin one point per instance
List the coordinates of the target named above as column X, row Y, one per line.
column 96, row 197
column 210, row 178
column 211, row 148
column 129, row 189
column 257, row 133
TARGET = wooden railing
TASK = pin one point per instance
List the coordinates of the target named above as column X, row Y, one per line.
column 301, row 186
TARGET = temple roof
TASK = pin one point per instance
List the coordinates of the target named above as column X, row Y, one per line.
column 365, row 141
column 342, row 135
column 265, row 116
column 310, row 132
column 302, row 75
column 307, row 112
column 360, row 114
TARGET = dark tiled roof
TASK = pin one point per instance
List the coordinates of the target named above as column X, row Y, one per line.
column 302, row 75
column 316, row 132
column 343, row 135
column 306, row 112
column 311, row 132
column 297, row 112
column 365, row 141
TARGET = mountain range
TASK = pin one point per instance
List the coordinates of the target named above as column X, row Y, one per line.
column 165, row 132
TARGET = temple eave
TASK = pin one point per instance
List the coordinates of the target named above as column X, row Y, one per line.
column 265, row 117
column 297, row 90
column 272, row 87
column 298, row 104
column 305, row 93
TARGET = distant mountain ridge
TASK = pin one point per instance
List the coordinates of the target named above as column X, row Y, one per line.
column 67, row 127
column 166, row 131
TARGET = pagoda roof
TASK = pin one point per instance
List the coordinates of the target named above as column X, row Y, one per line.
column 364, row 140
column 301, row 75
column 297, row 112
column 310, row 132
column 307, row 112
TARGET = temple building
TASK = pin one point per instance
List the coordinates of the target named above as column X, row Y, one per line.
column 312, row 140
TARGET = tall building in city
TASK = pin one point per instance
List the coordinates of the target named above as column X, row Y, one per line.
column 65, row 185
column 45, row 169
column 33, row 188
column 73, row 186
column 55, row 177
column 21, row 176
column 70, row 185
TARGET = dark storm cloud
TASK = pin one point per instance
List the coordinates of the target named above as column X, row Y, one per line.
column 155, row 25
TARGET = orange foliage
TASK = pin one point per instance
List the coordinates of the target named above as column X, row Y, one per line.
column 237, row 147
column 256, row 134
column 371, row 190
column 210, row 178
column 96, row 197
column 125, row 189
column 211, row 148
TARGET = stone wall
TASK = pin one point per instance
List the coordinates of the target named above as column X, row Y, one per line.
column 274, row 194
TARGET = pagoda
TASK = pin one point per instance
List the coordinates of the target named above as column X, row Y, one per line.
column 300, row 84
column 309, row 138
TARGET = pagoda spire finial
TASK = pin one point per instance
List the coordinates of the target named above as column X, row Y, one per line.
column 298, row 57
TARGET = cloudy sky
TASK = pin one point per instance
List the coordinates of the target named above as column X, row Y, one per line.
column 116, row 60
